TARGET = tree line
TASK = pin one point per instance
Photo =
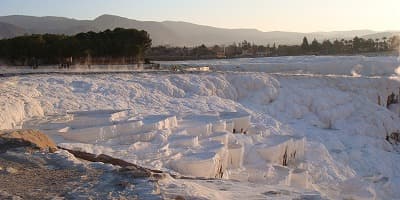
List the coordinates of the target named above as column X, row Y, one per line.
column 116, row 44
column 127, row 46
column 356, row 45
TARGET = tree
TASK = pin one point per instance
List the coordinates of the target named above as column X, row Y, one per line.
column 305, row 46
column 356, row 44
column 245, row 45
column 327, row 47
column 315, row 46
column 52, row 49
column 384, row 44
column 338, row 46
column 395, row 42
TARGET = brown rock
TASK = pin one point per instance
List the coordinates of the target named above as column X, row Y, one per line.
column 158, row 176
column 30, row 139
column 135, row 172
column 179, row 197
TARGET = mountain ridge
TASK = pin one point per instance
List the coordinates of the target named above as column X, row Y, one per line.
column 173, row 33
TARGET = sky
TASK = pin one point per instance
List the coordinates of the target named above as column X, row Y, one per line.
column 265, row 15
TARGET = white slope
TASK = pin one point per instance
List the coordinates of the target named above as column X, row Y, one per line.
column 317, row 65
column 338, row 118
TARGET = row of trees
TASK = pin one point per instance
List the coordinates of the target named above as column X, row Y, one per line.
column 356, row 45
column 125, row 46
column 181, row 53
column 54, row 49
column 246, row 49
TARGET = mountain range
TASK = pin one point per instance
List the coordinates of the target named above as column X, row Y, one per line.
column 171, row 33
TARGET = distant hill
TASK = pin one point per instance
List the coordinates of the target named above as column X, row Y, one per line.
column 382, row 34
column 58, row 25
column 9, row 30
column 345, row 34
column 163, row 33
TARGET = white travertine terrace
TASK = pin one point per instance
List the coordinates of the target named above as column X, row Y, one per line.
column 205, row 143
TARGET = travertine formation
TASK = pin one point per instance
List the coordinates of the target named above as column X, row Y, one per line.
column 198, row 145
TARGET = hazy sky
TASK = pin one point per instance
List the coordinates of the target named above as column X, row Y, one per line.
column 266, row 15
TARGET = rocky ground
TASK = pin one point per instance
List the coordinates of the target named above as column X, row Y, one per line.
column 43, row 175
column 26, row 180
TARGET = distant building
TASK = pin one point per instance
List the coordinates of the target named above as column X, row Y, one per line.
column 262, row 54
column 221, row 54
column 247, row 53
